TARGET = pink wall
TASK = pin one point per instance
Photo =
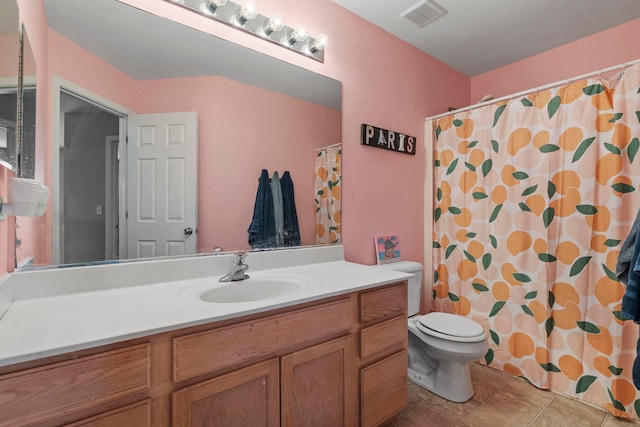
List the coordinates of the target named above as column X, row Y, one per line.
column 604, row 49
column 386, row 83
column 9, row 47
column 243, row 129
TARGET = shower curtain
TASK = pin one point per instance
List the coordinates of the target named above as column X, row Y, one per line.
column 328, row 194
column 533, row 199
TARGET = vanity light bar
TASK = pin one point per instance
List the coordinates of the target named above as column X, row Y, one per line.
column 246, row 18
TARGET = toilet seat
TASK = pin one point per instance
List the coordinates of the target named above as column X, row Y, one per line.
column 450, row 327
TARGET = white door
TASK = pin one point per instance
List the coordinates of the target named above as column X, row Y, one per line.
column 162, row 174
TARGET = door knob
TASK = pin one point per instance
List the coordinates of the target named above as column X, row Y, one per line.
column 188, row 231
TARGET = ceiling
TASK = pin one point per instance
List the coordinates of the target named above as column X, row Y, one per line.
column 476, row 36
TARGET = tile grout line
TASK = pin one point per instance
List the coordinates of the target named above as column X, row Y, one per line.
column 485, row 402
column 543, row 408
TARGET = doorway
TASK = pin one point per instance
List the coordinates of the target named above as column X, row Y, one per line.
column 89, row 162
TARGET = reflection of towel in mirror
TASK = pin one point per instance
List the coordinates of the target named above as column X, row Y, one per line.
column 276, row 190
column 627, row 251
column 290, row 225
column 262, row 230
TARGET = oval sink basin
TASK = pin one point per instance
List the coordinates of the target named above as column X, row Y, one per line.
column 252, row 290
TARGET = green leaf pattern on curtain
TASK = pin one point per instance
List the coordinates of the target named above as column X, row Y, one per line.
column 527, row 233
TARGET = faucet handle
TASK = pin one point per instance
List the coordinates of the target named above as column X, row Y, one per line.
column 239, row 258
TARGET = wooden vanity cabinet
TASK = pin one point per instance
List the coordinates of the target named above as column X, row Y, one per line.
column 383, row 353
column 315, row 375
column 307, row 365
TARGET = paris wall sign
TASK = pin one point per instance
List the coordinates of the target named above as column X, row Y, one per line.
column 389, row 140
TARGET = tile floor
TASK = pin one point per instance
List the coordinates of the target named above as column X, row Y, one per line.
column 502, row 400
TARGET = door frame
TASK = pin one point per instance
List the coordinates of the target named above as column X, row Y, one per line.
column 111, row 207
column 57, row 138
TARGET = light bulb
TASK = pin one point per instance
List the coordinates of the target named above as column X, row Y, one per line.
column 248, row 10
column 275, row 24
column 319, row 43
column 210, row 6
column 299, row 34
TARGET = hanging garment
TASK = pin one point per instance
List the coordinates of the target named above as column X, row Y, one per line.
column 631, row 300
column 276, row 191
column 262, row 230
column 628, row 271
column 291, row 231
column 627, row 251
column 631, row 304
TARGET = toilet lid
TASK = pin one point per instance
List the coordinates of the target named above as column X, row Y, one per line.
column 449, row 324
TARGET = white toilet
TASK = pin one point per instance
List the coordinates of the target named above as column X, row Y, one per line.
column 441, row 345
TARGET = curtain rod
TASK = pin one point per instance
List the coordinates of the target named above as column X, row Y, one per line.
column 537, row 89
column 329, row 146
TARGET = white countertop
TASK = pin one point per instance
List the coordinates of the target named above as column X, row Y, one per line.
column 38, row 327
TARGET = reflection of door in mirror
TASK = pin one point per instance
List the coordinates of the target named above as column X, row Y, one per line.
column 162, row 158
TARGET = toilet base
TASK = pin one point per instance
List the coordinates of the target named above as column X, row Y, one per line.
column 452, row 380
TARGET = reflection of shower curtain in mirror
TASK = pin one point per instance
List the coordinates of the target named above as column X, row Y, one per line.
column 327, row 194
column 533, row 199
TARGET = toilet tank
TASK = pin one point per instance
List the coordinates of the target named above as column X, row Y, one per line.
column 414, row 284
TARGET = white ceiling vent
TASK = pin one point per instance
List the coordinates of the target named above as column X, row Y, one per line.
column 424, row 12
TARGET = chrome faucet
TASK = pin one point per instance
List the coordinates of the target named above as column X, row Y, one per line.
column 238, row 269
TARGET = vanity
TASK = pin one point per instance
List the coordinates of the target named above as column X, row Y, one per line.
column 145, row 347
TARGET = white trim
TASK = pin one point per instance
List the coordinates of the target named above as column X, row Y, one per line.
column 111, row 197
column 9, row 83
column 59, row 84
column 122, row 191
column 28, row 81
column 537, row 89
column 428, row 215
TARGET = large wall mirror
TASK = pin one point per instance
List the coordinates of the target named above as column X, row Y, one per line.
column 141, row 102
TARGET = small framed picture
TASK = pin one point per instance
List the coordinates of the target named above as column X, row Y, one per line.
column 387, row 248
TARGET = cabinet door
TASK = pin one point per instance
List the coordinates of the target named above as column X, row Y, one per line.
column 318, row 385
column 383, row 389
column 247, row 397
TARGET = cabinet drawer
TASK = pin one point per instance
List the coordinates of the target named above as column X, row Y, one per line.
column 138, row 414
column 383, row 303
column 61, row 388
column 384, row 338
column 383, row 387
column 208, row 351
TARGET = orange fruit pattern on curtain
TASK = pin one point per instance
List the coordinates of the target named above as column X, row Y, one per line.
column 533, row 199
